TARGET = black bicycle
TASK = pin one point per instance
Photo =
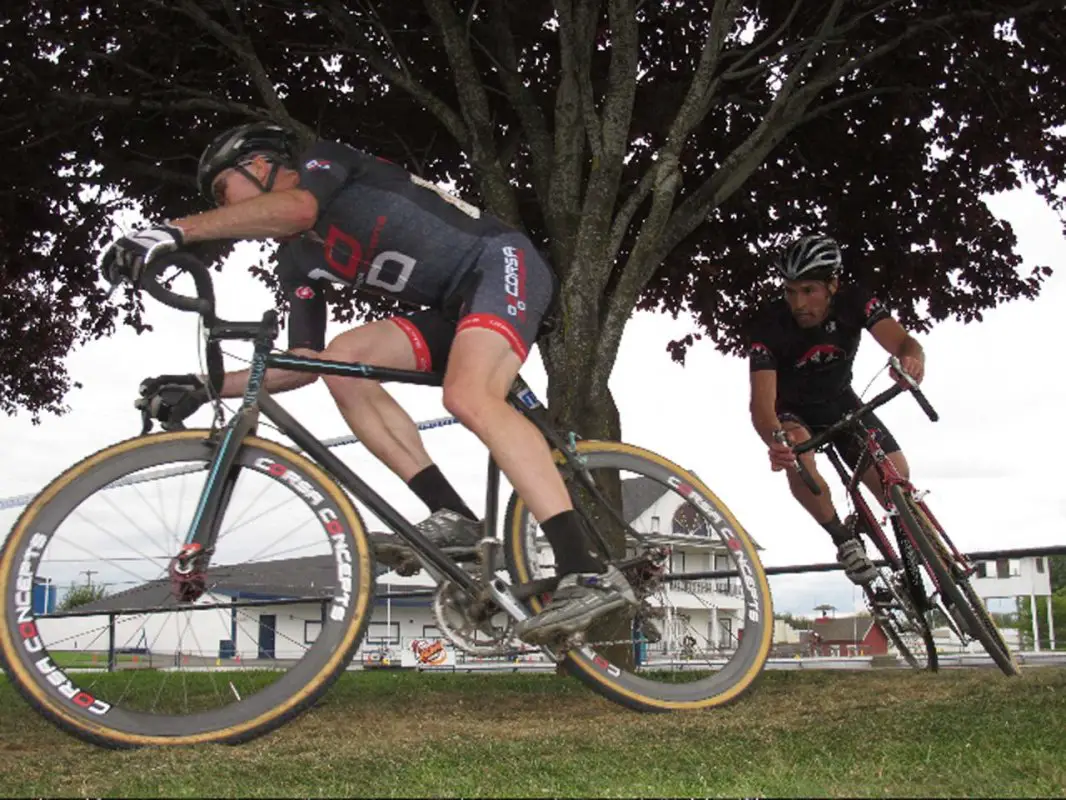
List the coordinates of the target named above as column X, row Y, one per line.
column 900, row 601
column 240, row 580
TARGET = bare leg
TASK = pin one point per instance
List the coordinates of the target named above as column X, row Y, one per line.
column 481, row 368
column 819, row 506
column 374, row 416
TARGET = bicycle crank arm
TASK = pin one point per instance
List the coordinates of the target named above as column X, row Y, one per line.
column 501, row 595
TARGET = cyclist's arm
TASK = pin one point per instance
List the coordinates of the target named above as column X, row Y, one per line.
column 306, row 327
column 894, row 338
column 268, row 216
column 276, row 380
column 763, row 404
column 891, row 336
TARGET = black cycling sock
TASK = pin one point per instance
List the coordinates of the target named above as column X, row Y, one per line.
column 835, row 528
column 434, row 490
column 573, row 550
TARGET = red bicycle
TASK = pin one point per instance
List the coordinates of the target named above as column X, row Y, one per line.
column 900, row 600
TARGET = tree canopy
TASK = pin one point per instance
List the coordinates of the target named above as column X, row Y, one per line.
column 657, row 151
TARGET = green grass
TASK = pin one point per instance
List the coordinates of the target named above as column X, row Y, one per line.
column 404, row 734
column 68, row 659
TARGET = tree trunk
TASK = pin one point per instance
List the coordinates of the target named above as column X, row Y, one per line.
column 592, row 413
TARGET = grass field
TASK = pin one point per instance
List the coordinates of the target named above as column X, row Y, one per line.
column 68, row 659
column 404, row 734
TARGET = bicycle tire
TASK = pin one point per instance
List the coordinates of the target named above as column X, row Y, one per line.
column 956, row 589
column 109, row 724
column 897, row 634
column 621, row 684
column 915, row 599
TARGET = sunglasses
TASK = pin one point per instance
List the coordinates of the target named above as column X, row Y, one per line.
column 218, row 188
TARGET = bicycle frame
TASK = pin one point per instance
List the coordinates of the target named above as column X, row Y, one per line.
column 888, row 476
column 203, row 529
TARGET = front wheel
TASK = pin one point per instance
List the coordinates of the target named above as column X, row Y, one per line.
column 695, row 641
column 126, row 658
column 955, row 589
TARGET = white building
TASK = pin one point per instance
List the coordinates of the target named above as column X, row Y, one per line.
column 254, row 611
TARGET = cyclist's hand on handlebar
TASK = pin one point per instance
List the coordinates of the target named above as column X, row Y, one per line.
column 913, row 366
column 781, row 456
column 171, row 399
column 126, row 257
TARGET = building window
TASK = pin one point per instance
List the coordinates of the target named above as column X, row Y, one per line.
column 383, row 633
column 677, row 561
column 1015, row 567
column 1040, row 565
column 982, row 569
column 688, row 522
column 725, row 633
column 721, row 564
column 430, row 632
column 655, row 524
column 312, row 627
column 1002, row 568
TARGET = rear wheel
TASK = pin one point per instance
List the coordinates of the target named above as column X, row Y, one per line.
column 282, row 609
column 694, row 642
column 955, row 588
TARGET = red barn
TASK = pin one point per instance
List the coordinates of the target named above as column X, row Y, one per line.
column 847, row 636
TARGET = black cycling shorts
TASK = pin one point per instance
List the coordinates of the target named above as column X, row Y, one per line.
column 817, row 417
column 510, row 290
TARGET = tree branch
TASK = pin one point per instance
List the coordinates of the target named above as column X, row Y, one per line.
column 576, row 41
column 474, row 106
column 755, row 49
column 562, row 214
column 189, row 104
column 529, row 114
column 241, row 46
column 357, row 43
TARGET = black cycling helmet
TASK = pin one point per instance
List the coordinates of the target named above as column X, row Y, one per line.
column 811, row 258
column 240, row 144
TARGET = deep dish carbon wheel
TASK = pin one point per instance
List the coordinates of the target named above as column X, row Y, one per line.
column 713, row 636
column 142, row 666
column 955, row 588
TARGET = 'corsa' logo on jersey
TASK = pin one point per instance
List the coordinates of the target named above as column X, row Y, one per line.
column 315, row 164
column 514, row 281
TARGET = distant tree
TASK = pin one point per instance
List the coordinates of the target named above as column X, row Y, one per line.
column 794, row 622
column 657, row 151
column 82, row 595
column 1024, row 620
column 1057, row 573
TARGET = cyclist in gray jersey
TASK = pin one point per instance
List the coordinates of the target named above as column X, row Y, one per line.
column 347, row 217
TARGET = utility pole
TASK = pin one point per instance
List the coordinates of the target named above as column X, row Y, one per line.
column 88, row 573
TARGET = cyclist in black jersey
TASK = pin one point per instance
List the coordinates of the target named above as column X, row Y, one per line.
column 347, row 217
column 801, row 350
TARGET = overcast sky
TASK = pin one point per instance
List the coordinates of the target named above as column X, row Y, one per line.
column 994, row 477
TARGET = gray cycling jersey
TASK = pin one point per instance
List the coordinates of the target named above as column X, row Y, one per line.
column 385, row 231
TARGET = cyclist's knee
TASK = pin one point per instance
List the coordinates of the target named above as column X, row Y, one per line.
column 468, row 401
column 899, row 461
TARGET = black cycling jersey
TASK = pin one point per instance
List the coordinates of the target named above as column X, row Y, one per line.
column 385, row 231
column 813, row 364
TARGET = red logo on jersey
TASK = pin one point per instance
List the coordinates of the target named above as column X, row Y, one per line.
column 305, row 292
column 821, row 354
column 316, row 164
column 873, row 305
